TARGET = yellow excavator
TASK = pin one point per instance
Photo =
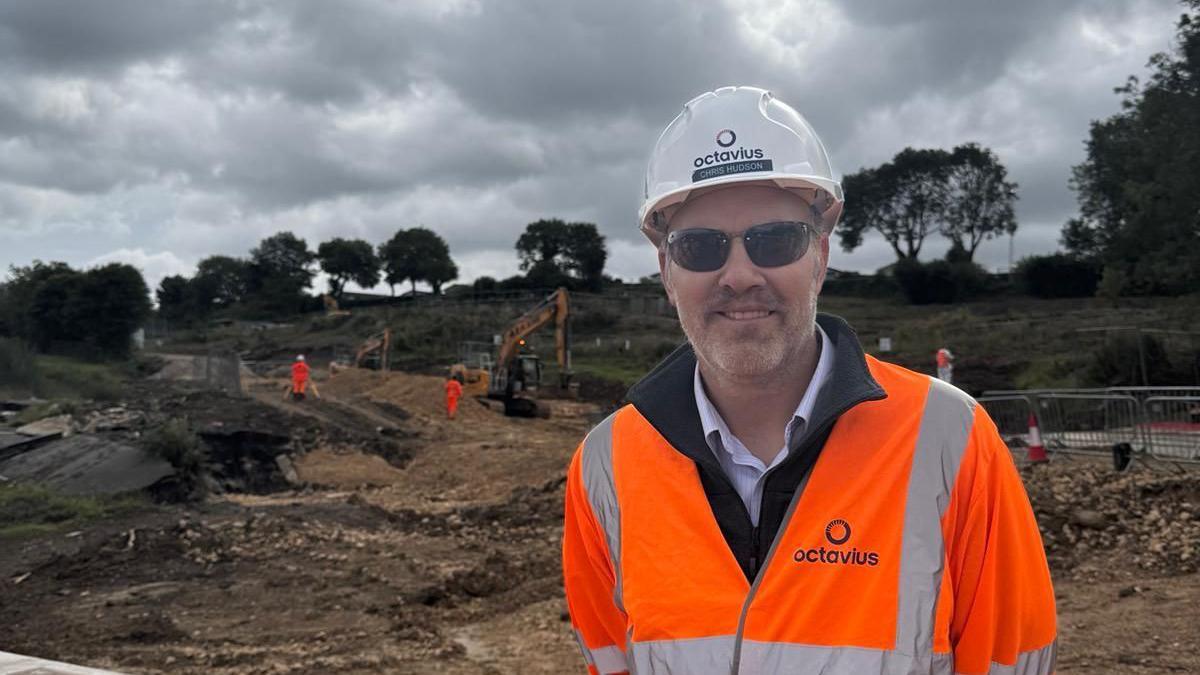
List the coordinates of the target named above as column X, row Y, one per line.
column 375, row 351
column 515, row 377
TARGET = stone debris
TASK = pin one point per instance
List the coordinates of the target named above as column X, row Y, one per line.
column 58, row 424
column 1098, row 524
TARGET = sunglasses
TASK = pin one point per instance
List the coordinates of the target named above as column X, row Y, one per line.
column 768, row 245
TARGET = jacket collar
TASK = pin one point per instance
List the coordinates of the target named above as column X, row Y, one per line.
column 665, row 396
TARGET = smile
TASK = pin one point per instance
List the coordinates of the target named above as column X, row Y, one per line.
column 746, row 316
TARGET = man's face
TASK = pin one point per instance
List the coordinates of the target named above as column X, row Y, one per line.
column 743, row 320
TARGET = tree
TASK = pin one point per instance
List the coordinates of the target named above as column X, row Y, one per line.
column 904, row 200
column 1139, row 209
column 16, row 309
column 57, row 311
column 417, row 254
column 553, row 249
column 348, row 260
column 223, row 280
column 53, row 304
column 980, row 199
column 173, row 297
column 438, row 271
column 280, row 272
column 483, row 286
column 115, row 302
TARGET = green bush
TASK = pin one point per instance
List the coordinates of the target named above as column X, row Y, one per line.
column 182, row 449
column 939, row 281
column 18, row 369
column 1057, row 276
column 860, row 285
column 1118, row 363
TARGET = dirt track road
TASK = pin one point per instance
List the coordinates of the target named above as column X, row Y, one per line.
column 443, row 560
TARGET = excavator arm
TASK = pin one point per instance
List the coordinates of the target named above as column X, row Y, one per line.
column 556, row 307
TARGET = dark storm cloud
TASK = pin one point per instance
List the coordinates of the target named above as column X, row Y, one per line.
column 80, row 36
column 172, row 123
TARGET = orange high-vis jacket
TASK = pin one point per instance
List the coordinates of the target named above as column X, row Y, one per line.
column 454, row 389
column 300, row 372
column 908, row 547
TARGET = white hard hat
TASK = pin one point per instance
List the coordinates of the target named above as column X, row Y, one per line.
column 300, row 357
column 737, row 135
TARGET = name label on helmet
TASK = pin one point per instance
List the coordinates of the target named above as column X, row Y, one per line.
column 732, row 168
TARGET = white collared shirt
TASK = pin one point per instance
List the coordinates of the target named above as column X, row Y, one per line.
column 745, row 470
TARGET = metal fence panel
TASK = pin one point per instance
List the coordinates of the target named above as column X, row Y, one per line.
column 1171, row 426
column 1011, row 415
column 1087, row 422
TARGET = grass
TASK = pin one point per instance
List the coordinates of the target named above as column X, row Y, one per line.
column 1001, row 341
column 32, row 510
column 72, row 379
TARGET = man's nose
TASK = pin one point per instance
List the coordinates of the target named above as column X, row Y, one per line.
column 740, row 274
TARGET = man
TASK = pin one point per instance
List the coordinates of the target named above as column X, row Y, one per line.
column 771, row 500
column 300, row 372
column 945, row 365
column 454, row 392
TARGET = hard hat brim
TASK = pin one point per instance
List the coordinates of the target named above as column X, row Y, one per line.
column 822, row 194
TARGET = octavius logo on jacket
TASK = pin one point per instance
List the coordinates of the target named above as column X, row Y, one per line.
column 837, row 532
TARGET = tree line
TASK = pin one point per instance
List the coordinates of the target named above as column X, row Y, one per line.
column 274, row 279
column 54, row 307
column 91, row 313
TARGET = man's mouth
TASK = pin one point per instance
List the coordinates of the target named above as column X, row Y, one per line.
column 749, row 315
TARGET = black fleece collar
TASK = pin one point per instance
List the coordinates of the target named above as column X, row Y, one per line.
column 666, row 396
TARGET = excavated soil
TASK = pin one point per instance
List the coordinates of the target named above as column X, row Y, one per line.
column 419, row 544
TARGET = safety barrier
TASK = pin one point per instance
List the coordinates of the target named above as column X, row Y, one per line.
column 1157, row 422
column 1011, row 415
column 1171, row 427
column 1087, row 422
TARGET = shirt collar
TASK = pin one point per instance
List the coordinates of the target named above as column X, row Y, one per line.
column 712, row 422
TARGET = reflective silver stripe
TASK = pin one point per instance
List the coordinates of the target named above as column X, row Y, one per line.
column 596, row 466
column 610, row 659
column 781, row 657
column 697, row 655
column 941, row 442
column 1034, row 662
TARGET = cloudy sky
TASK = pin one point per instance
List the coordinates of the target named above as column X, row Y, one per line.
column 159, row 133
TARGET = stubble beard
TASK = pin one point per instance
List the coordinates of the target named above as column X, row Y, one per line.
column 773, row 351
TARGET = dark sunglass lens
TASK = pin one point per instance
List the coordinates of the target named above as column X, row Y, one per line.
column 776, row 244
column 699, row 250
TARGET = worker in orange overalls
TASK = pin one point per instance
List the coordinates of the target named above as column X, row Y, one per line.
column 299, row 378
column 454, row 392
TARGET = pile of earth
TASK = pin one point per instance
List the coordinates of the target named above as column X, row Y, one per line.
column 1098, row 524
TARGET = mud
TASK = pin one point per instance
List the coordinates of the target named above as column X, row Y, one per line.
column 420, row 544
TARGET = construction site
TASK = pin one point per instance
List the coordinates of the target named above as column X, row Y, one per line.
column 354, row 527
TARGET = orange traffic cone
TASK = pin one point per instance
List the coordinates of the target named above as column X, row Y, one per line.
column 1037, row 451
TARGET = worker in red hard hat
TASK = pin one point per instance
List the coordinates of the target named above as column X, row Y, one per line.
column 454, row 392
column 300, row 372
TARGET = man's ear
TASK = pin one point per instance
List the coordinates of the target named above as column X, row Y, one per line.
column 823, row 263
column 663, row 266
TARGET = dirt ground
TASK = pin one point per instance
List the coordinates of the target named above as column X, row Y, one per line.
column 425, row 545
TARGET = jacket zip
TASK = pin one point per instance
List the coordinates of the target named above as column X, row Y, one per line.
column 787, row 518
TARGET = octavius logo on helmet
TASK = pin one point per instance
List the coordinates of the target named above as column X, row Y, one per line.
column 837, row 532
column 725, row 162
